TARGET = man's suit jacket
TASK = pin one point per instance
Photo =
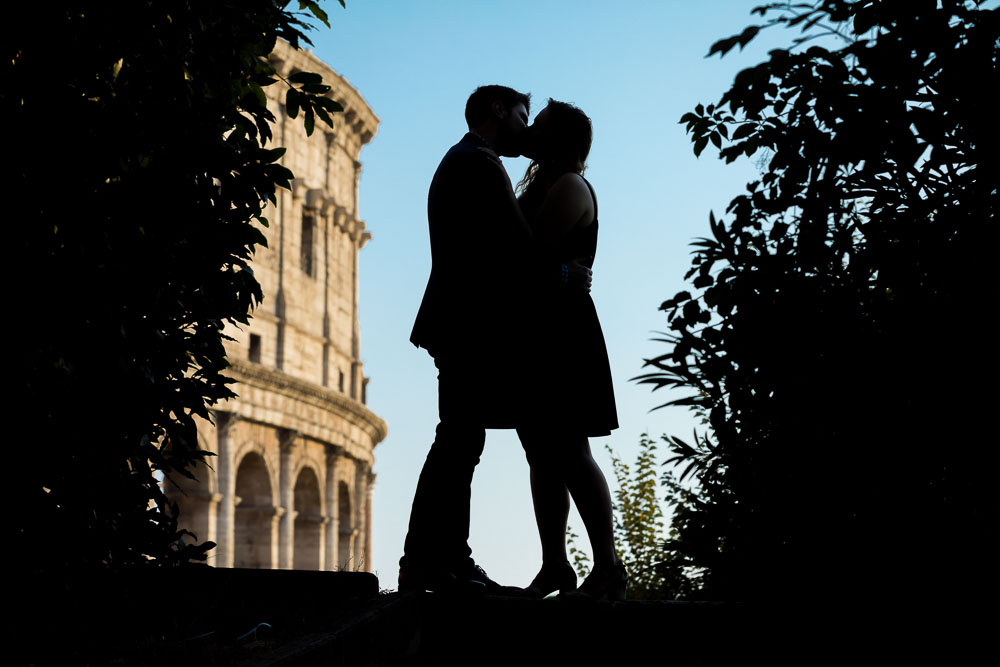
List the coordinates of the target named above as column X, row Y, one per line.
column 476, row 309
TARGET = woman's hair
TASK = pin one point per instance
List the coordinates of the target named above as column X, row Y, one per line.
column 567, row 139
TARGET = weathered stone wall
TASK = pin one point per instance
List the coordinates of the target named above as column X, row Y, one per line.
column 290, row 485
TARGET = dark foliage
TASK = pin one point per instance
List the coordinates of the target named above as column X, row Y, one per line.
column 139, row 167
column 837, row 339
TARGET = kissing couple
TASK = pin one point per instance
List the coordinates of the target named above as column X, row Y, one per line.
column 508, row 318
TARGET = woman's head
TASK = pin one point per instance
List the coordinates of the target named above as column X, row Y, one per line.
column 559, row 139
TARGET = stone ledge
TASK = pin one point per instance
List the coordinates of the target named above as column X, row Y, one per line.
column 190, row 615
column 425, row 629
column 429, row 629
column 207, row 616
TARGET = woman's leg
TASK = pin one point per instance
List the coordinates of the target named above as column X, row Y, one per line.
column 589, row 488
column 549, row 493
column 551, row 501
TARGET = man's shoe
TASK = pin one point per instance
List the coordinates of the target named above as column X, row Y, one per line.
column 439, row 580
column 476, row 573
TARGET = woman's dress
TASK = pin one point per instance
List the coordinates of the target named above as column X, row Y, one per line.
column 575, row 392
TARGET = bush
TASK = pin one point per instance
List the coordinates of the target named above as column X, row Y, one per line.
column 139, row 190
column 836, row 338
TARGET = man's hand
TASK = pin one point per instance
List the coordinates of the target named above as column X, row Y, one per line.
column 580, row 274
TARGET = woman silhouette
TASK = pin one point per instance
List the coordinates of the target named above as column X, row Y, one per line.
column 573, row 397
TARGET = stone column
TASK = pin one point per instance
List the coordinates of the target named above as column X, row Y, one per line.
column 212, row 506
column 321, row 563
column 360, row 547
column 225, row 423
column 286, row 528
column 356, row 228
column 370, row 487
column 333, row 452
column 282, row 219
column 328, row 213
column 279, row 514
column 325, row 376
column 357, row 183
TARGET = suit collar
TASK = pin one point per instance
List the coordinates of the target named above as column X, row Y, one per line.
column 476, row 138
column 473, row 138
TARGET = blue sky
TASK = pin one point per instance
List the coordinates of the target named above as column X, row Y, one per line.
column 634, row 67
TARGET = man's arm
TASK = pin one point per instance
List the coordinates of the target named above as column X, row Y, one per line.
column 486, row 174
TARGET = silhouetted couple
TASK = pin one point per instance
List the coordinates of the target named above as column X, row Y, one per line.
column 508, row 318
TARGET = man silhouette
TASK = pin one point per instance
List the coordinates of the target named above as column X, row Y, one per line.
column 473, row 321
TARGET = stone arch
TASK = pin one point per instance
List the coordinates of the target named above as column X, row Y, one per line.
column 255, row 514
column 308, row 529
column 345, row 518
column 254, row 439
column 307, row 457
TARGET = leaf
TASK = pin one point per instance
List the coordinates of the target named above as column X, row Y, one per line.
column 292, row 102
column 316, row 88
column 277, row 171
column 704, row 280
column 747, row 35
column 744, row 130
column 323, row 116
column 723, row 46
column 310, row 121
column 316, row 10
column 305, row 78
column 258, row 93
column 275, row 154
column 330, row 105
column 699, row 145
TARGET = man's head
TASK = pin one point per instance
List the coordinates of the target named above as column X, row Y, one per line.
column 499, row 114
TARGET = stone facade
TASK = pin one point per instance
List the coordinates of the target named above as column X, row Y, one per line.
column 291, row 484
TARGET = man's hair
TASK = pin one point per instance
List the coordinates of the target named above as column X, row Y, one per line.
column 480, row 104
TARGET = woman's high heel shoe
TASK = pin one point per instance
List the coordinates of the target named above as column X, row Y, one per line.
column 601, row 584
column 550, row 579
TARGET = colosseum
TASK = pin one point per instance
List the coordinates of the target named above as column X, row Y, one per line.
column 291, row 484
